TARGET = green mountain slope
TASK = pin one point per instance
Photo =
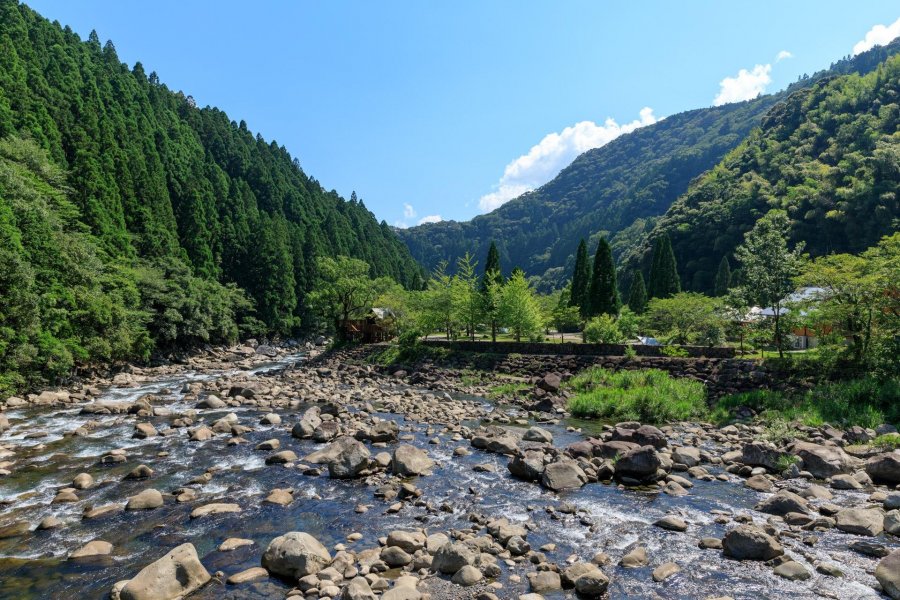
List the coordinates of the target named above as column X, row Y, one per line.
column 154, row 191
column 618, row 190
column 829, row 155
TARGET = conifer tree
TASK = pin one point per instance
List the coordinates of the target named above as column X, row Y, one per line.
column 664, row 281
column 603, row 294
column 581, row 279
column 723, row 277
column 492, row 267
column 491, row 282
column 637, row 297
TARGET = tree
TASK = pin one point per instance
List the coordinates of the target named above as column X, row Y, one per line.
column 565, row 316
column 437, row 302
column 466, row 297
column 769, row 266
column 852, row 297
column 664, row 281
column 581, row 279
column 603, row 293
column 491, row 282
column 491, row 300
column 723, row 278
column 492, row 271
column 637, row 297
column 686, row 318
column 519, row 309
column 344, row 289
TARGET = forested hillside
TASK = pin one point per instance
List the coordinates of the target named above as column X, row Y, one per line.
column 829, row 156
column 617, row 191
column 131, row 220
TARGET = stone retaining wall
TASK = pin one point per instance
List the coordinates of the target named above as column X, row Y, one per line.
column 573, row 349
column 722, row 376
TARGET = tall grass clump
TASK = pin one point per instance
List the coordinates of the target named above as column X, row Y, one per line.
column 867, row 402
column 647, row 395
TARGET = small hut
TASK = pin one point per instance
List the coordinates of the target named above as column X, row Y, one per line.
column 378, row 325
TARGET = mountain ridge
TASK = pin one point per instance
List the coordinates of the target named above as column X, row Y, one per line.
column 618, row 190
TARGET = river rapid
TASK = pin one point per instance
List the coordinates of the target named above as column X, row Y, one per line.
column 600, row 517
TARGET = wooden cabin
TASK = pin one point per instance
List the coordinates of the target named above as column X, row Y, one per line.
column 379, row 325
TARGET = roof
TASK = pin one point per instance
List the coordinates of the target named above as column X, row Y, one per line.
column 804, row 294
column 382, row 313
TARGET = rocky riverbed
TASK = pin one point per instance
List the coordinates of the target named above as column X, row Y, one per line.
column 257, row 473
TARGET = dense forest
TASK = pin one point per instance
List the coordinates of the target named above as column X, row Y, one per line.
column 131, row 220
column 617, row 191
column 829, row 156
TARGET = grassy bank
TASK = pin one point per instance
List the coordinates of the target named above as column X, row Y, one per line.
column 867, row 402
column 653, row 396
column 648, row 395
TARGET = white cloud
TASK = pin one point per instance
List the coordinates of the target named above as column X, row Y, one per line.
column 408, row 211
column 783, row 55
column 877, row 36
column 553, row 153
column 746, row 86
column 430, row 219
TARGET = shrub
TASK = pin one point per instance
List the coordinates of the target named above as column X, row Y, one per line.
column 674, row 351
column 602, row 330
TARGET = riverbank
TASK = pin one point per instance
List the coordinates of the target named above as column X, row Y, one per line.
column 416, row 486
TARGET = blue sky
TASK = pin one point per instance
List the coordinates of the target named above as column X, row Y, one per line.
column 446, row 110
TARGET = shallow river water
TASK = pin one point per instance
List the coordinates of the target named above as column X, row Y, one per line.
column 609, row 518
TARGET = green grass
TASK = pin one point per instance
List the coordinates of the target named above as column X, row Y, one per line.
column 867, row 402
column 647, row 395
column 509, row 389
column 395, row 354
column 887, row 442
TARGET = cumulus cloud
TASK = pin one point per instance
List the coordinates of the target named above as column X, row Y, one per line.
column 551, row 154
column 877, row 36
column 783, row 55
column 430, row 219
column 746, row 86
column 408, row 211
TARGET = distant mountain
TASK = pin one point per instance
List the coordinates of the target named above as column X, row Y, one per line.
column 618, row 190
column 829, row 155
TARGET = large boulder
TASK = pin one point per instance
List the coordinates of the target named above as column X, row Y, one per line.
column 888, row 574
column 309, row 422
column 761, row 454
column 348, row 458
column 749, row 542
column 824, row 461
column 172, row 577
column 563, row 475
column 645, row 435
column 641, row 463
column 384, row 431
column 550, row 383
column 860, row 521
column 409, row 460
column 450, row 558
column 782, row 503
column 295, row 554
column 358, row 589
column 145, row 500
column 885, row 467
column 528, row 465
column 538, row 434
